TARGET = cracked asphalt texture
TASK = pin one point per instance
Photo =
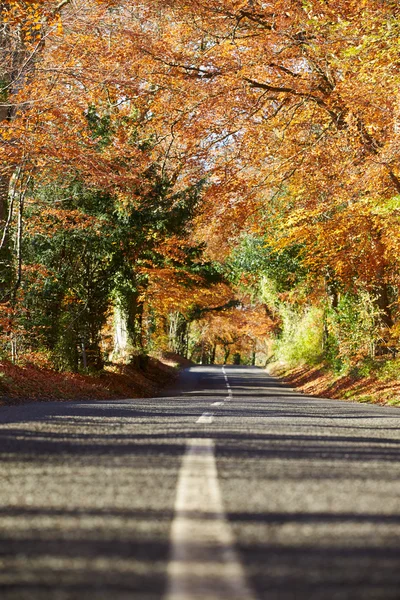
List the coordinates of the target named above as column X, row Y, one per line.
column 311, row 490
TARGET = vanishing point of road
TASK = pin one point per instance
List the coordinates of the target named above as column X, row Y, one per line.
column 230, row 486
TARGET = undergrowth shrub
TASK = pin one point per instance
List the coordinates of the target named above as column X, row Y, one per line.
column 389, row 369
column 301, row 338
column 353, row 330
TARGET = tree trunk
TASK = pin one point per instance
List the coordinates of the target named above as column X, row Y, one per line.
column 383, row 303
column 213, row 354
column 227, row 352
column 382, row 289
column 178, row 334
column 135, row 320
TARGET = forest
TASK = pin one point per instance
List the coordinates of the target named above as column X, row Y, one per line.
column 219, row 179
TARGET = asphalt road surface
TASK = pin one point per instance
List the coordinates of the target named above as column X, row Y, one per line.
column 231, row 486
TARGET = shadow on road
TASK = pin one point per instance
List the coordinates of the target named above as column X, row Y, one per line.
column 88, row 493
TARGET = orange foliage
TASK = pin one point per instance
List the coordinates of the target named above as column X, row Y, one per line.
column 289, row 110
column 240, row 329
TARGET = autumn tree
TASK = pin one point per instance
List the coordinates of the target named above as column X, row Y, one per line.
column 295, row 104
column 287, row 112
column 81, row 244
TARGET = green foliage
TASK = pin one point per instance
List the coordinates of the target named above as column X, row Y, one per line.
column 254, row 256
column 394, row 402
column 365, row 399
column 366, row 367
column 92, row 251
column 389, row 370
column 99, row 126
column 332, row 354
column 353, row 330
column 69, row 268
column 269, row 294
column 301, row 337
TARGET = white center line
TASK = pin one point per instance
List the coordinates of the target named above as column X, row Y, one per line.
column 206, row 418
column 217, row 404
column 228, row 385
column 204, row 564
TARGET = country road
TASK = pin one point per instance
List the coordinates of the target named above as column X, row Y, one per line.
column 230, row 486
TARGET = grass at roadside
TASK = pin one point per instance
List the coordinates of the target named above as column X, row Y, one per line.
column 29, row 383
column 374, row 387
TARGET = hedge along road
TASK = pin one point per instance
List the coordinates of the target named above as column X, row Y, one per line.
column 230, row 486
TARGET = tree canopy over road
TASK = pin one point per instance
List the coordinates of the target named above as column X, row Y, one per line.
column 217, row 178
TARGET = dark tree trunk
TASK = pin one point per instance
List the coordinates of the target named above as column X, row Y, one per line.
column 213, row 354
column 135, row 320
column 383, row 302
column 227, row 352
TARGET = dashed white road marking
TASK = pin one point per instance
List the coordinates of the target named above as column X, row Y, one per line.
column 206, row 418
column 209, row 417
column 204, row 564
column 228, row 385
